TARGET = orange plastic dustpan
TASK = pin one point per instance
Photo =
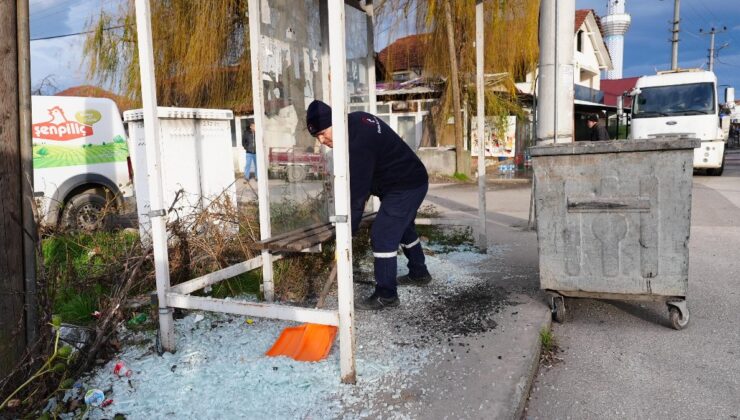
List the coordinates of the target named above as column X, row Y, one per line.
column 305, row 343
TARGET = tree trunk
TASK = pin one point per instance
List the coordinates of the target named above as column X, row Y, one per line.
column 460, row 164
column 12, row 324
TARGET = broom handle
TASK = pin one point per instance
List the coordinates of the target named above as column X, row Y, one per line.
column 327, row 286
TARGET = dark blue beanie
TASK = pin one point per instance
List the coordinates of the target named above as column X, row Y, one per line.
column 318, row 117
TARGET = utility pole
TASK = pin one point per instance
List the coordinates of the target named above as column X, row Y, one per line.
column 713, row 31
column 674, row 40
column 555, row 90
column 13, row 340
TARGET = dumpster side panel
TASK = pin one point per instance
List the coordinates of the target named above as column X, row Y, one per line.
column 614, row 222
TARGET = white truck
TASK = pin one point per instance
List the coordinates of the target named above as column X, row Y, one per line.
column 681, row 102
column 81, row 165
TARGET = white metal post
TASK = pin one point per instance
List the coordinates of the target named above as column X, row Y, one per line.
column 338, row 71
column 372, row 99
column 481, row 94
column 325, row 83
column 158, row 215
column 555, row 91
column 371, row 82
column 263, row 192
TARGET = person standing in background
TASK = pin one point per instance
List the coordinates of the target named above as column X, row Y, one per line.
column 598, row 132
column 249, row 145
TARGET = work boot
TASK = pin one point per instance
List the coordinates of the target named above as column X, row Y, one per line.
column 414, row 281
column 375, row 303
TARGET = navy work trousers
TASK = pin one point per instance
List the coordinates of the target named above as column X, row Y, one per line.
column 394, row 226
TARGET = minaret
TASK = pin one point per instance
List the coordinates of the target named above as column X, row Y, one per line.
column 615, row 24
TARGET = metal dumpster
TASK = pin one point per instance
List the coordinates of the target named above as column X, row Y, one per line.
column 613, row 221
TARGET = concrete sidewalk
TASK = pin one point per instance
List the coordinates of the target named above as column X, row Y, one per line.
column 483, row 373
column 488, row 375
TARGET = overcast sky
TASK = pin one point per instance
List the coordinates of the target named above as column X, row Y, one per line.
column 647, row 45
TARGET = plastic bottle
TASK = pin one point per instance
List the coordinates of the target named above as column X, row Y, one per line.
column 94, row 397
column 138, row 319
column 120, row 369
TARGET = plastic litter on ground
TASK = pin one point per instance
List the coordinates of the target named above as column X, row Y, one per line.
column 220, row 369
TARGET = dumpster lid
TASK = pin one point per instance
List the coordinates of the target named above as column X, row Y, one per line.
column 615, row 146
column 181, row 113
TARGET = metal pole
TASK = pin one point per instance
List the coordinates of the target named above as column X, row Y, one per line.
column 555, row 91
column 158, row 215
column 263, row 188
column 555, row 70
column 675, row 30
column 372, row 97
column 338, row 72
column 480, row 94
column 30, row 236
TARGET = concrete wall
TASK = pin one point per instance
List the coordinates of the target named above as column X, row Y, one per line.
column 437, row 160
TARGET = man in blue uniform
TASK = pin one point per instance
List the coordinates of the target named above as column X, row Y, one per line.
column 381, row 164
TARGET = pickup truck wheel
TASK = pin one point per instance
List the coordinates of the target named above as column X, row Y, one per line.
column 296, row 173
column 84, row 212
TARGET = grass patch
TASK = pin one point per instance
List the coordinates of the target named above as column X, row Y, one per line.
column 547, row 339
column 76, row 308
column 243, row 284
column 81, row 267
column 550, row 349
column 84, row 255
column 447, row 238
column 461, row 177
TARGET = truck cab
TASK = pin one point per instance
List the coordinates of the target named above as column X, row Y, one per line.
column 684, row 103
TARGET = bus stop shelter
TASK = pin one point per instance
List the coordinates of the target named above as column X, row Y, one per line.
column 296, row 56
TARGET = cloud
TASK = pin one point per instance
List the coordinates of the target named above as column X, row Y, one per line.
column 60, row 57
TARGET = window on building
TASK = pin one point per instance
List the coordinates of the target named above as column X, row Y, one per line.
column 579, row 41
column 401, row 76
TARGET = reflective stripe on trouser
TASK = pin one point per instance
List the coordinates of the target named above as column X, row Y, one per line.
column 393, row 226
column 417, row 264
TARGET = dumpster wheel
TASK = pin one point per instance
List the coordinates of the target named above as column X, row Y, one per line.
column 557, row 306
column 678, row 312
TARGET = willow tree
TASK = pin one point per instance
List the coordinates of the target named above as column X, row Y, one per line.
column 201, row 53
column 511, row 51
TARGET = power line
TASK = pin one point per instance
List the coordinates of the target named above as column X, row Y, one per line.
column 75, row 33
column 728, row 64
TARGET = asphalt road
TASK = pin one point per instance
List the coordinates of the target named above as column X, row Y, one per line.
column 622, row 360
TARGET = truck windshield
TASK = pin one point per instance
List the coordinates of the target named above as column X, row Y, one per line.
column 662, row 101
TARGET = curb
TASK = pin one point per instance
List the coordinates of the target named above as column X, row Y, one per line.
column 509, row 181
column 526, row 385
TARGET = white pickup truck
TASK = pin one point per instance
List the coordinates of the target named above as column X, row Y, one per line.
column 682, row 102
column 81, row 162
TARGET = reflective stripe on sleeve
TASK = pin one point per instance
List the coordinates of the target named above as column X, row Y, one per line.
column 411, row 245
column 385, row 254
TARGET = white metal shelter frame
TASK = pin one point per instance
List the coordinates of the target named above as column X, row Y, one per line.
column 179, row 296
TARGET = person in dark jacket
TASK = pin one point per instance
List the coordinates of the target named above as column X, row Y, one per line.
column 381, row 164
column 248, row 143
column 598, row 132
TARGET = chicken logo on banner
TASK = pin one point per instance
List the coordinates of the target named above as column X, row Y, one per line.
column 59, row 128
